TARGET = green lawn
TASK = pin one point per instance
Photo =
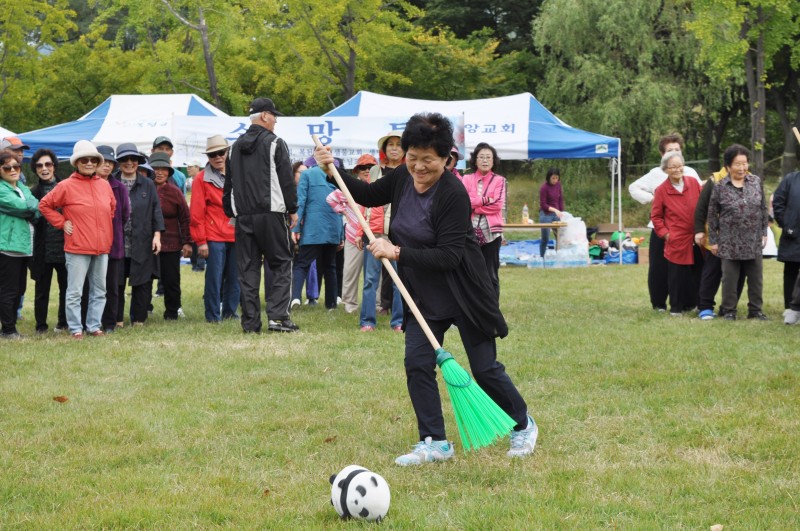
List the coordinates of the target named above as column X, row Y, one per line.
column 646, row 420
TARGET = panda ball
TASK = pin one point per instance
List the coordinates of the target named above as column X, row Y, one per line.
column 360, row 493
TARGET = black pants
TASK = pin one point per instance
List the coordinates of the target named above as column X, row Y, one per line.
column 325, row 255
column 387, row 290
column 13, row 281
column 171, row 279
column 491, row 255
column 683, row 282
column 41, row 300
column 790, row 275
column 490, row 374
column 733, row 271
column 263, row 238
column 710, row 281
column 141, row 296
column 657, row 275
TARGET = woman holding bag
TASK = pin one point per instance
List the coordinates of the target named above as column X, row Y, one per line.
column 487, row 197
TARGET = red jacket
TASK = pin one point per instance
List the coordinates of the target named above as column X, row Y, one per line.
column 209, row 222
column 673, row 213
column 89, row 203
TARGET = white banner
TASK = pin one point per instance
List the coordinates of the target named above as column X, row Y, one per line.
column 349, row 136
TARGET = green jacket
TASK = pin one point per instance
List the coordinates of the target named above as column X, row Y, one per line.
column 16, row 214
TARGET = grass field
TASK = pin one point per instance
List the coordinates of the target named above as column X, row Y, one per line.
column 646, row 420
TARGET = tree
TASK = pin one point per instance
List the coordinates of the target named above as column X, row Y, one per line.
column 739, row 40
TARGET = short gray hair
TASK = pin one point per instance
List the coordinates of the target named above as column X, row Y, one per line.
column 255, row 116
column 668, row 156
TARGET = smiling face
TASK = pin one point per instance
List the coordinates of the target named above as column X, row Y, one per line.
column 87, row 165
column 425, row 167
column 674, row 169
column 217, row 159
column 10, row 170
column 739, row 167
column 128, row 165
column 105, row 169
column 394, row 152
column 45, row 168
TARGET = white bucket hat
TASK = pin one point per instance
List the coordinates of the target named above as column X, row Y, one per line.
column 84, row 148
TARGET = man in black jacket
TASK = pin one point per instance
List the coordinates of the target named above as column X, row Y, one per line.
column 260, row 194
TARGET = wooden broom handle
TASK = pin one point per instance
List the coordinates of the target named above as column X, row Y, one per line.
column 796, row 134
column 385, row 261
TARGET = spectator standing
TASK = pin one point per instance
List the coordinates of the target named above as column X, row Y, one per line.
column 643, row 190
column 198, row 263
column 18, row 210
column 551, row 204
column 48, row 248
column 261, row 195
column 487, row 195
column 786, row 209
column 17, row 148
column 213, row 232
column 83, row 206
column 175, row 241
column 162, row 144
column 737, row 232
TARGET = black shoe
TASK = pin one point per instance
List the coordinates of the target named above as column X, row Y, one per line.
column 11, row 335
column 729, row 316
column 251, row 331
column 283, row 326
column 758, row 315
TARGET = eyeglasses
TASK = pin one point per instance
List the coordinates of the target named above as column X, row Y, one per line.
column 88, row 160
column 11, row 167
column 484, row 157
column 129, row 158
column 361, row 168
column 672, row 168
column 217, row 154
column 40, row 165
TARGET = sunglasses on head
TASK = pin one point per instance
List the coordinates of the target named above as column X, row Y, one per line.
column 88, row 160
column 129, row 158
column 11, row 167
column 40, row 165
column 217, row 154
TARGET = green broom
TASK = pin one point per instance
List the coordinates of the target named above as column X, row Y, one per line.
column 480, row 421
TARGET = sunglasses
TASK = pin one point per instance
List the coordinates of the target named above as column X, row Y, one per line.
column 217, row 154
column 40, row 165
column 88, row 160
column 11, row 167
column 129, row 158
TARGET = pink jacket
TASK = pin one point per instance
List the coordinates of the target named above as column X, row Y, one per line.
column 490, row 203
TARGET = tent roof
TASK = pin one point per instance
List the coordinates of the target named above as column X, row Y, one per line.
column 121, row 118
column 5, row 132
column 518, row 126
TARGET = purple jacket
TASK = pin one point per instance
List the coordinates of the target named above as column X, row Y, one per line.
column 121, row 215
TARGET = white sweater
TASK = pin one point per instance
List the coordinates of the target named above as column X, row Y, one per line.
column 643, row 188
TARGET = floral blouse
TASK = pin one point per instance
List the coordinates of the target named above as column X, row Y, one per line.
column 737, row 218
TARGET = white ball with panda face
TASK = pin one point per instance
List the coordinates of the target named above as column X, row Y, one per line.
column 360, row 493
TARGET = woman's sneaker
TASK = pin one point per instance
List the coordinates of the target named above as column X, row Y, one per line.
column 427, row 451
column 524, row 441
column 706, row 315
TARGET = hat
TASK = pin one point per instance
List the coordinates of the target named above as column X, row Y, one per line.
column 128, row 149
column 162, row 140
column 195, row 162
column 108, row 153
column 84, row 148
column 454, row 151
column 366, row 160
column 216, row 143
column 382, row 140
column 263, row 105
column 13, row 142
column 159, row 159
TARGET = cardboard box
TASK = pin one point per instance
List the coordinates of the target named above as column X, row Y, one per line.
column 605, row 230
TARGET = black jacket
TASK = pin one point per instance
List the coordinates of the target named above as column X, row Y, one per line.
column 258, row 176
column 456, row 253
column 786, row 209
column 146, row 219
column 48, row 241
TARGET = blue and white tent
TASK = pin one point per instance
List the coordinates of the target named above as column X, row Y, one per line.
column 121, row 118
column 518, row 127
column 5, row 132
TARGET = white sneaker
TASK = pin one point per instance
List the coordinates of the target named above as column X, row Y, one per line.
column 524, row 441
column 181, row 314
column 427, row 451
column 791, row 317
column 294, row 304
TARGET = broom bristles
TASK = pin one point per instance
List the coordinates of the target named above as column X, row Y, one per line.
column 479, row 419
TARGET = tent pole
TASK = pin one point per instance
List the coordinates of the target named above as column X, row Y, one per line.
column 619, row 203
column 613, row 196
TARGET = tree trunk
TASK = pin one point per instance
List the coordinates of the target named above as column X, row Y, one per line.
column 212, row 75
column 791, row 89
column 754, row 69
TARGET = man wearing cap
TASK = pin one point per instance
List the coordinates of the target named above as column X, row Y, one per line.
column 260, row 193
column 164, row 144
column 16, row 146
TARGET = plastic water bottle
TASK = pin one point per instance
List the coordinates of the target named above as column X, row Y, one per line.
column 525, row 216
